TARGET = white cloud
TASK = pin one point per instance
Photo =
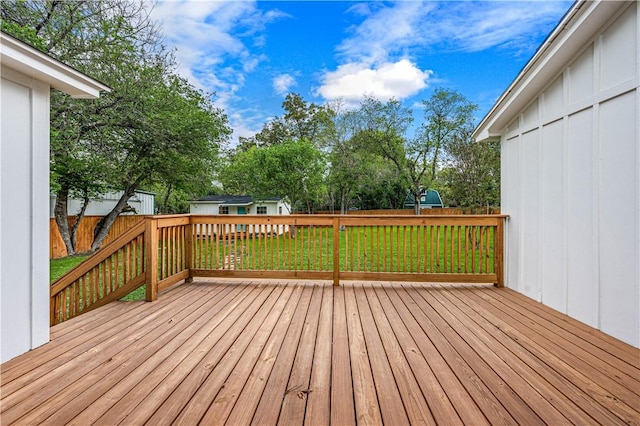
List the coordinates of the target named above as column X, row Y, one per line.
column 353, row 81
column 379, row 58
column 212, row 39
column 385, row 30
column 408, row 26
column 283, row 82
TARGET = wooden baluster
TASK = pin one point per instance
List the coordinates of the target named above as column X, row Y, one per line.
column 445, row 247
column 378, row 251
column 202, row 234
column 437, row 265
column 422, row 249
column 216, row 247
column 79, row 294
column 473, row 249
column 116, row 271
column 411, row 248
column 459, row 261
column 395, row 245
column 174, row 252
column 487, row 249
column 276, row 234
column 330, row 246
column 223, row 245
column 450, row 254
column 384, row 248
column 358, row 253
column 401, row 247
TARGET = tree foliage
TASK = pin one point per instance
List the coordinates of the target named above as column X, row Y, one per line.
column 373, row 162
column 472, row 176
column 293, row 170
column 147, row 131
column 301, row 120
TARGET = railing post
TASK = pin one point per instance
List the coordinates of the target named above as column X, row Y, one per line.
column 189, row 250
column 498, row 245
column 336, row 250
column 151, row 254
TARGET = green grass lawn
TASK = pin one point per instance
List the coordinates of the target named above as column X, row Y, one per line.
column 59, row 267
column 382, row 249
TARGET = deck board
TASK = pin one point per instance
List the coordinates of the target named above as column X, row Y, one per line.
column 296, row 352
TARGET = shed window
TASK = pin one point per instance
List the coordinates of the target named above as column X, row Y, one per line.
column 261, row 210
column 224, row 209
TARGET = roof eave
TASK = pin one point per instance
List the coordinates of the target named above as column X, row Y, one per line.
column 33, row 63
column 577, row 27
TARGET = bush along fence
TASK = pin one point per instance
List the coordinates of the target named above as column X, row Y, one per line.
column 161, row 251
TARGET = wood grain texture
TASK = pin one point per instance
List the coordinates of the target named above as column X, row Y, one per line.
column 307, row 352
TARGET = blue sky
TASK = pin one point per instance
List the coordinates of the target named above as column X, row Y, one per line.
column 251, row 54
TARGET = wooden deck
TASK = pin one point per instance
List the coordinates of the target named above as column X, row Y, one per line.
column 267, row 352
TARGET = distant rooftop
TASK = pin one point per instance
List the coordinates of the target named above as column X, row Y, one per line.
column 238, row 200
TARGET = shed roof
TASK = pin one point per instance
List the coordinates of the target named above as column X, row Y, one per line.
column 575, row 29
column 30, row 61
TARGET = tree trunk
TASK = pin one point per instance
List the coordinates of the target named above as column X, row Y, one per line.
column 62, row 219
column 102, row 228
column 165, row 202
column 73, row 233
column 416, row 201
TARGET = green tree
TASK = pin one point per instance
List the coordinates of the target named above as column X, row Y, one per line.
column 382, row 129
column 100, row 39
column 138, row 134
column 178, row 132
column 383, row 187
column 293, row 170
column 472, row 177
column 448, row 118
column 301, row 120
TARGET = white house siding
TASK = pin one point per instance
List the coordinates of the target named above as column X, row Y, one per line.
column 24, row 186
column 203, row 208
column 26, row 78
column 571, row 184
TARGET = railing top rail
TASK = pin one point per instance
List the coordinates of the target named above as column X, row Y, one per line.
column 348, row 220
column 331, row 216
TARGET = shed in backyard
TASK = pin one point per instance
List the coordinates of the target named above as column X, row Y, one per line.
column 569, row 129
column 430, row 199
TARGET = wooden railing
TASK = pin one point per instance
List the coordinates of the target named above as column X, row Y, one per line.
column 164, row 250
column 111, row 273
column 399, row 248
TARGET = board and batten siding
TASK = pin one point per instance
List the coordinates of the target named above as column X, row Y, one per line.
column 571, row 185
column 27, row 76
column 24, row 185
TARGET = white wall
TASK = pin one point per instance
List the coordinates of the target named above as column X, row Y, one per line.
column 24, row 234
column 571, row 184
column 273, row 208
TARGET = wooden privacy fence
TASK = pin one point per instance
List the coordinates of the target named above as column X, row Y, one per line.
column 164, row 250
column 84, row 235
